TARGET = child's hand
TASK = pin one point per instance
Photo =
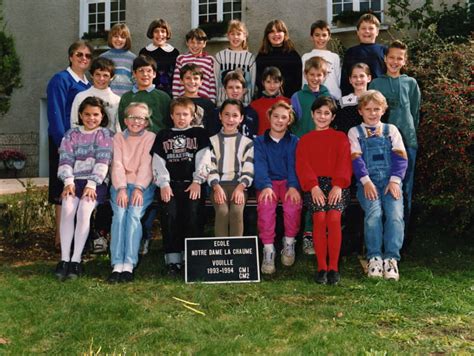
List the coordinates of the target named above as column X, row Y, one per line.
column 318, row 196
column 219, row 194
column 137, row 197
column 370, row 192
column 394, row 189
column 293, row 195
column 238, row 196
column 69, row 190
column 122, row 198
column 194, row 190
column 335, row 195
column 166, row 193
column 267, row 195
column 89, row 194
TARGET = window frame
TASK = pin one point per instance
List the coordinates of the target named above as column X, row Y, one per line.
column 84, row 15
column 355, row 7
column 220, row 11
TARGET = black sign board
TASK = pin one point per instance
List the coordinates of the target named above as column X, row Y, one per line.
column 222, row 259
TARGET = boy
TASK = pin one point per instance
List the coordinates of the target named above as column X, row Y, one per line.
column 196, row 41
column 275, row 179
column 379, row 162
column 367, row 51
column 403, row 96
column 191, row 77
column 315, row 71
column 181, row 159
column 320, row 35
column 102, row 71
column 144, row 91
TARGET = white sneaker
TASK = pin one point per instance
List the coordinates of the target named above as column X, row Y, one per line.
column 99, row 245
column 288, row 253
column 145, row 244
column 375, row 268
column 390, row 269
column 268, row 264
column 308, row 246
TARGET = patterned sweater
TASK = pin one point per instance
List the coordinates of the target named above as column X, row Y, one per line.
column 123, row 60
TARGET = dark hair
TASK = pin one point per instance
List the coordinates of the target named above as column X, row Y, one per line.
column 191, row 67
column 184, row 102
column 272, row 72
column 398, row 44
column 78, row 44
column 235, row 75
column 322, row 101
column 266, row 46
column 159, row 23
column 233, row 102
column 120, row 29
column 102, row 63
column 197, row 34
column 322, row 25
column 97, row 102
column 143, row 61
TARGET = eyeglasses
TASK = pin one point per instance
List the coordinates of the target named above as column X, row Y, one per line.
column 139, row 119
column 81, row 54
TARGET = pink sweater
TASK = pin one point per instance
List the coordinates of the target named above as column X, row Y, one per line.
column 131, row 163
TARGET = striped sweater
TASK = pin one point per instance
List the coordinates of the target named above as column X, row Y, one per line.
column 123, row 60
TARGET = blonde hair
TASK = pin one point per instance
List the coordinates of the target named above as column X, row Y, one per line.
column 284, row 105
column 120, row 29
column 372, row 95
column 317, row 63
column 370, row 18
column 136, row 104
column 237, row 25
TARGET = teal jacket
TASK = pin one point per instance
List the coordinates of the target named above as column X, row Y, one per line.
column 404, row 99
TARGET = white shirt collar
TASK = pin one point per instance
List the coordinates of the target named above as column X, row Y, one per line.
column 76, row 77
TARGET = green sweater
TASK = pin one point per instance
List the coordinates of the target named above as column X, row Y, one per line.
column 158, row 102
column 404, row 99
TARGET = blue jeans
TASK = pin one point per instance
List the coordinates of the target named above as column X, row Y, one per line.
column 126, row 228
column 390, row 235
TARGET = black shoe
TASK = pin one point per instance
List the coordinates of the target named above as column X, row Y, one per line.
column 126, row 277
column 61, row 270
column 75, row 270
column 173, row 270
column 321, row 277
column 333, row 277
column 114, row 278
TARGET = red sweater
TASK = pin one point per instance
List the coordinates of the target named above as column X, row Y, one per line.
column 261, row 106
column 323, row 154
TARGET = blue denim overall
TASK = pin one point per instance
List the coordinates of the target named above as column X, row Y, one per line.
column 376, row 153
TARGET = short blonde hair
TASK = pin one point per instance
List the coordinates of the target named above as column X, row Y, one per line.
column 284, row 105
column 370, row 18
column 136, row 104
column 318, row 63
column 372, row 95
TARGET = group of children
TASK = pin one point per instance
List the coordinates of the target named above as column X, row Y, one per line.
column 280, row 126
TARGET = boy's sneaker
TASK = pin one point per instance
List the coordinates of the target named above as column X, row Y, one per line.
column 173, row 270
column 268, row 264
column 333, row 277
column 321, row 277
column 75, row 270
column 308, row 246
column 99, row 245
column 375, row 268
column 144, row 246
column 61, row 270
column 390, row 269
column 288, row 253
column 126, row 277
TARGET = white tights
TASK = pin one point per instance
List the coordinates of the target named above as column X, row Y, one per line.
column 84, row 210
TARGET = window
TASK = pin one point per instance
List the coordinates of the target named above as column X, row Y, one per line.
column 100, row 15
column 211, row 11
column 335, row 7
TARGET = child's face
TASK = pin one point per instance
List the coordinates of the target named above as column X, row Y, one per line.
column 196, row 46
column 276, row 37
column 314, row 77
column 323, row 117
column 395, row 59
column 160, row 36
column 234, row 90
column 272, row 86
column 359, row 79
column 137, row 119
column 182, row 117
column 279, row 120
column 81, row 60
column 119, row 40
column 101, row 79
column 320, row 38
column 367, row 32
column 144, row 76
column 236, row 39
column 372, row 113
column 191, row 83
column 231, row 118
column 91, row 117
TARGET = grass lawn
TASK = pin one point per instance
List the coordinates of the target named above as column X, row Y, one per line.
column 430, row 310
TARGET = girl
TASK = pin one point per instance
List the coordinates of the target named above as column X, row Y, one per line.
column 347, row 115
column 162, row 52
column 324, row 169
column 231, row 171
column 235, row 57
column 272, row 82
column 120, row 42
column 278, row 50
column 131, row 191
column 84, row 158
